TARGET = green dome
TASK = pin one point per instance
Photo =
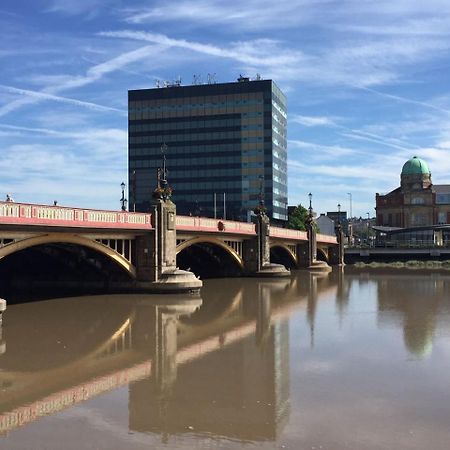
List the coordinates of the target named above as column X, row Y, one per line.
column 415, row 166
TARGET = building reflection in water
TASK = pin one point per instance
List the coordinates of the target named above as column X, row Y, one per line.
column 241, row 391
column 414, row 302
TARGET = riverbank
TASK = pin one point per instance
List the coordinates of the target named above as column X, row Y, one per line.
column 412, row 264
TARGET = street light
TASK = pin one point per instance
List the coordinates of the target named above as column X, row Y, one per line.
column 351, row 213
column 350, row 221
column 339, row 213
column 123, row 200
column 368, row 224
column 310, row 204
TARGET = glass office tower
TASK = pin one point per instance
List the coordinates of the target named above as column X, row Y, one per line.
column 223, row 142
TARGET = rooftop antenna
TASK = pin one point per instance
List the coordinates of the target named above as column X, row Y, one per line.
column 212, row 78
column 158, row 83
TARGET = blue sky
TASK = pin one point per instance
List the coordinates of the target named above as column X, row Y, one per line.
column 367, row 85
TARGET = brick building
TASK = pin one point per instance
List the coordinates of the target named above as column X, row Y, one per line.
column 417, row 202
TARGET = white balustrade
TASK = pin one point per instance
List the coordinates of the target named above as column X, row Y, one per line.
column 54, row 215
column 8, row 210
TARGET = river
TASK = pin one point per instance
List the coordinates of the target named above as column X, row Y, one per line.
column 355, row 359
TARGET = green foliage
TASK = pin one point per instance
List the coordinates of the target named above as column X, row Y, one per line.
column 299, row 219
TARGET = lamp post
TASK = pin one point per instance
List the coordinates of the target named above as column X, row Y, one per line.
column 368, row 225
column 350, row 221
column 339, row 213
column 123, row 200
column 310, row 205
column 350, row 196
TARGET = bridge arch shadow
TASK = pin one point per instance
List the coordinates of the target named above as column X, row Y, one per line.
column 322, row 255
column 209, row 258
column 281, row 254
column 59, row 263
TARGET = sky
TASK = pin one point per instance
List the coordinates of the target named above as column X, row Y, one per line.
column 367, row 83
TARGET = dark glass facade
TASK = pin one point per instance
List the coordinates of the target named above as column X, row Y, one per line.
column 221, row 138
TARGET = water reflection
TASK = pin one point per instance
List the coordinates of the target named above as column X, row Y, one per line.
column 241, row 391
column 413, row 302
column 219, row 366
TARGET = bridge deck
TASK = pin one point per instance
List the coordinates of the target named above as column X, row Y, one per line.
column 24, row 214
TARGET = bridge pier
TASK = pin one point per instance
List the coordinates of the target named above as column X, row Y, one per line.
column 158, row 256
column 2, row 342
column 312, row 263
column 257, row 251
column 337, row 253
column 2, row 310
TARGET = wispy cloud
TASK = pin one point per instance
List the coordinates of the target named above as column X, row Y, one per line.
column 258, row 52
column 404, row 99
column 252, row 14
column 93, row 74
column 44, row 96
column 312, row 121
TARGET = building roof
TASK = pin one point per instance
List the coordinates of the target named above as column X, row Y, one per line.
column 441, row 188
column 414, row 166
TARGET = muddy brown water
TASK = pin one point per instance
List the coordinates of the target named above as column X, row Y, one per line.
column 355, row 359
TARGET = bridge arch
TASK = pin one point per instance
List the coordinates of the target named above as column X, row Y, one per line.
column 209, row 257
column 59, row 238
column 322, row 255
column 280, row 253
column 213, row 241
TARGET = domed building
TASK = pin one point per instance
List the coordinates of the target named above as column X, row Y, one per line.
column 417, row 202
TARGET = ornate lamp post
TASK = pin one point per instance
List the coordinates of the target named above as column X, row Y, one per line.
column 310, row 205
column 123, row 200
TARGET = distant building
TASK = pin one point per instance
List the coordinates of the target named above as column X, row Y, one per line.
column 339, row 217
column 417, row 202
column 224, row 139
column 326, row 225
column 417, row 212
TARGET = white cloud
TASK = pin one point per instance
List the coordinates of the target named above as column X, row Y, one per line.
column 312, row 121
column 252, row 14
column 44, row 96
column 93, row 74
column 259, row 52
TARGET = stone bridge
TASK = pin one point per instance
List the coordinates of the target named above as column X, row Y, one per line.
column 147, row 246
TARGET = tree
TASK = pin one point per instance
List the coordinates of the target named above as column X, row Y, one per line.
column 298, row 218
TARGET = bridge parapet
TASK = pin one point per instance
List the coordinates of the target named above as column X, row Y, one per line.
column 297, row 235
column 326, row 239
column 287, row 233
column 30, row 214
column 205, row 224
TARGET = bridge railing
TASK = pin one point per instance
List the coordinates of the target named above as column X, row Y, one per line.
column 30, row 214
column 287, row 233
column 297, row 235
column 326, row 239
column 205, row 224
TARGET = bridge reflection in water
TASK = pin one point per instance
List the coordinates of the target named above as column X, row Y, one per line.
column 221, row 366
